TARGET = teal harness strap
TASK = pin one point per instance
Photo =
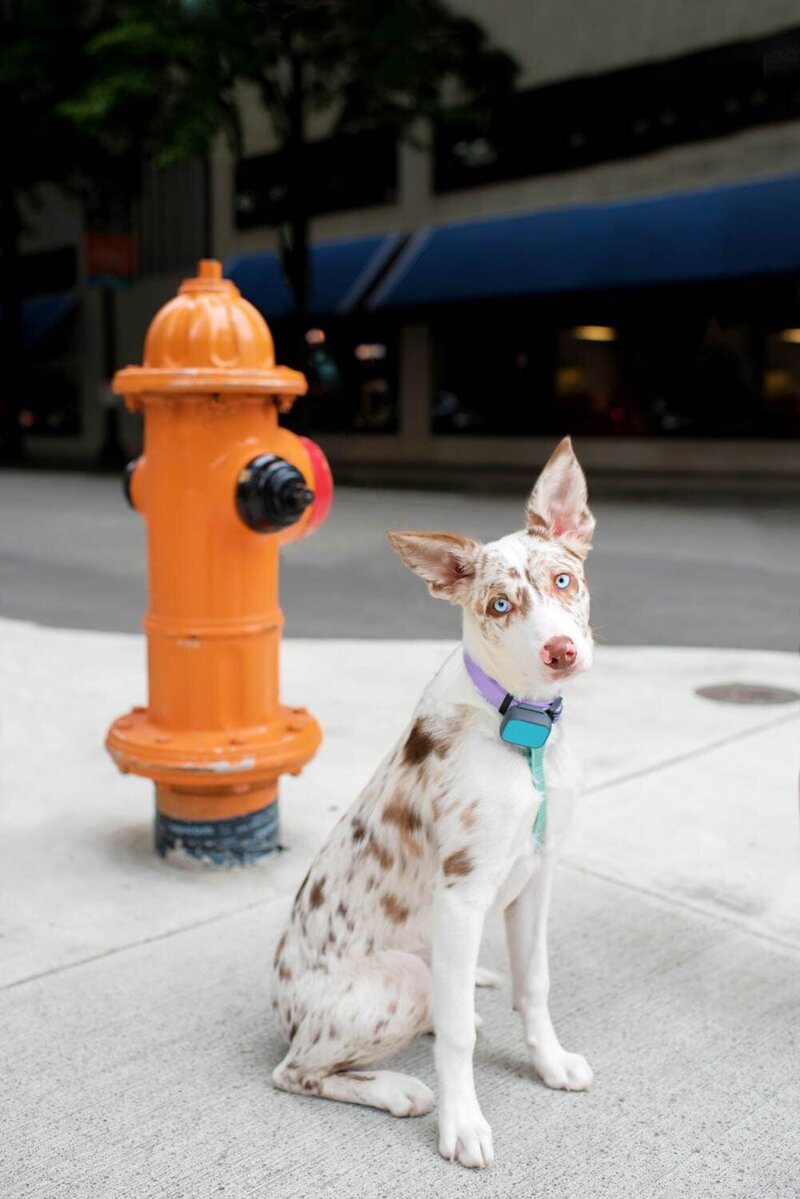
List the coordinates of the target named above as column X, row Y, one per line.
column 535, row 759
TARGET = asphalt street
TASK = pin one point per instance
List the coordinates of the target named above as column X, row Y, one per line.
column 695, row 572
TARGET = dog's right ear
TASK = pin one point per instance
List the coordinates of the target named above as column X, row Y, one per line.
column 445, row 561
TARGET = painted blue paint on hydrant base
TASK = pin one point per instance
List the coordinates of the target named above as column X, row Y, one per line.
column 235, row 842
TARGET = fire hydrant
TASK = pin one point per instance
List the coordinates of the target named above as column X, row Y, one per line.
column 222, row 486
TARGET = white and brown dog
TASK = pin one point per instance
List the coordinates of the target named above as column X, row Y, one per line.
column 382, row 943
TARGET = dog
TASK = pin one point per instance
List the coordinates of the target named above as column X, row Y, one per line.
column 382, row 942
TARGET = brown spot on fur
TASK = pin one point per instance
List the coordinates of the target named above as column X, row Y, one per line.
column 419, row 745
column 299, row 894
column 316, row 895
column 317, row 1037
column 512, row 572
column 284, row 973
column 400, row 812
column 332, row 1033
column 537, row 525
column 351, row 926
column 392, row 1008
column 457, row 863
column 408, row 822
column 381, row 855
column 279, row 949
column 293, row 1032
column 341, row 910
column 359, row 832
column 396, row 911
column 332, row 937
column 529, row 575
column 468, row 815
column 523, row 601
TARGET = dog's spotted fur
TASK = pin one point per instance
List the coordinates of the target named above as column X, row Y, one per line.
column 383, row 938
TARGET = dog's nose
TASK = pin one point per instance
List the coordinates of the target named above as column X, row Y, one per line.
column 559, row 652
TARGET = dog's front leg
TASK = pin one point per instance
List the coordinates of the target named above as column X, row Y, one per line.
column 526, row 929
column 459, row 914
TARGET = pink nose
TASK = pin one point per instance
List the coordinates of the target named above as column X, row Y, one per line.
column 559, row 652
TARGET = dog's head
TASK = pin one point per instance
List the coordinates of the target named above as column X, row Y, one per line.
column 525, row 599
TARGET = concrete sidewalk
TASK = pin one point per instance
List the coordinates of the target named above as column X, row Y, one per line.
column 135, row 1030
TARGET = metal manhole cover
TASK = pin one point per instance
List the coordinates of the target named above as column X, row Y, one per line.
column 748, row 693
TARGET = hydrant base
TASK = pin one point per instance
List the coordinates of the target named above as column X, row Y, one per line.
column 236, row 841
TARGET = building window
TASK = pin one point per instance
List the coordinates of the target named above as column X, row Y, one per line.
column 356, row 170
column 781, row 382
column 494, row 372
column 714, row 360
column 624, row 113
column 352, row 377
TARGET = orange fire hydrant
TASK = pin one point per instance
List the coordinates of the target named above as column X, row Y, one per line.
column 221, row 486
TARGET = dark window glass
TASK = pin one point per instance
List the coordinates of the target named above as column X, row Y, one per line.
column 672, row 362
column 54, row 370
column 352, row 377
column 353, row 171
column 623, row 113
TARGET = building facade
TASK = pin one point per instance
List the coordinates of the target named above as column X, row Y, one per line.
column 614, row 256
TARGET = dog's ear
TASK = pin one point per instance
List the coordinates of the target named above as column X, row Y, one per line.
column 557, row 506
column 445, row 561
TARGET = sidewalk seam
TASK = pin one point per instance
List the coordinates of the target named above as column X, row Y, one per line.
column 691, row 753
column 107, row 953
column 684, row 904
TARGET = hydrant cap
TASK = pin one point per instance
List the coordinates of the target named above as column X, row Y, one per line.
column 209, row 338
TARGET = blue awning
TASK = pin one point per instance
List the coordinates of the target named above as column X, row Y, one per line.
column 42, row 314
column 745, row 229
column 341, row 272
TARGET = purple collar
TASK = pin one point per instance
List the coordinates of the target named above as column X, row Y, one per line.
column 499, row 698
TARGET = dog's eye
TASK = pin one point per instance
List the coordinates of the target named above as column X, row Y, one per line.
column 562, row 582
column 501, row 605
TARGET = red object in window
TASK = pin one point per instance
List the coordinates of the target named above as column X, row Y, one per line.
column 111, row 254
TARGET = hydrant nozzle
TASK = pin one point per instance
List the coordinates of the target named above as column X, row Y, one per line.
column 221, row 486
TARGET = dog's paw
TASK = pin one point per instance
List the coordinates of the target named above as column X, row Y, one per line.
column 407, row 1096
column 466, row 1139
column 563, row 1071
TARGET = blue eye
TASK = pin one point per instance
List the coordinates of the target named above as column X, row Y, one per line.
column 501, row 605
column 563, row 581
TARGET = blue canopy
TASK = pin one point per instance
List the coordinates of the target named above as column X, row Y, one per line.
column 42, row 314
column 341, row 272
column 744, row 229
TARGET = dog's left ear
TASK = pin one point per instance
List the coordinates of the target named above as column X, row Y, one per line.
column 445, row 561
column 557, row 506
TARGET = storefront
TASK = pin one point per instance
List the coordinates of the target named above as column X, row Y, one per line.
column 663, row 331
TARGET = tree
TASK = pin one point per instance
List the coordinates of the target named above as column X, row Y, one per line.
column 91, row 90
column 40, row 64
column 166, row 73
